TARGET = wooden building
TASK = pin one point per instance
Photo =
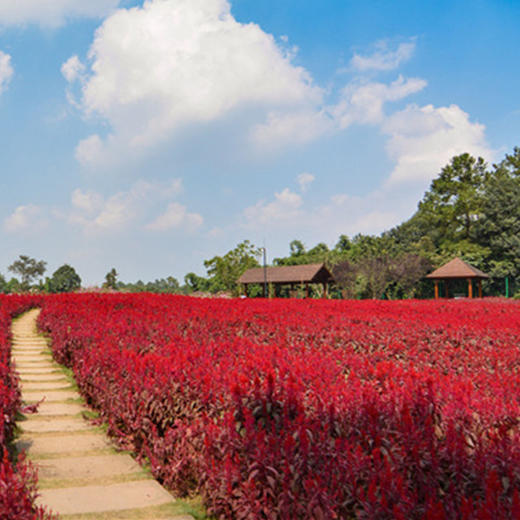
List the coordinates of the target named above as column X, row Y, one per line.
column 457, row 269
column 295, row 276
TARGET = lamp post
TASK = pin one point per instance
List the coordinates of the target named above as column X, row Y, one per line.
column 265, row 271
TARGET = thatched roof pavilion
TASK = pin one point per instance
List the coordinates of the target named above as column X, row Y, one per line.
column 292, row 275
column 457, row 269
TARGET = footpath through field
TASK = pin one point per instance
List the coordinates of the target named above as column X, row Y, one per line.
column 81, row 475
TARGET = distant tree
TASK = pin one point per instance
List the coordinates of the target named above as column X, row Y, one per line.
column 224, row 271
column 28, row 269
column 13, row 286
column 111, row 279
column 64, row 279
column 297, row 248
column 3, row 284
column 343, row 245
column 196, row 283
column 345, row 274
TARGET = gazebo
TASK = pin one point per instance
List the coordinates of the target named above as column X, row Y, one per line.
column 292, row 275
column 457, row 269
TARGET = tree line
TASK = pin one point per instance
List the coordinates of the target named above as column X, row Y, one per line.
column 471, row 210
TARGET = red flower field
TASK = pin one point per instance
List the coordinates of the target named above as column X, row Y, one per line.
column 307, row 409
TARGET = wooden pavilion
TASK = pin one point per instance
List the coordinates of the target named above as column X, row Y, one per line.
column 293, row 275
column 457, row 269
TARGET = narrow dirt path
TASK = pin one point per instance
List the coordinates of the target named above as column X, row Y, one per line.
column 81, row 475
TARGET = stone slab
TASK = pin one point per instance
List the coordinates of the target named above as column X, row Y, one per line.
column 47, row 378
column 22, row 351
column 49, row 395
column 54, row 425
column 30, row 358
column 94, row 466
column 52, row 445
column 22, row 368
column 47, row 370
column 44, row 385
column 99, row 499
column 33, row 362
column 40, row 362
column 60, row 408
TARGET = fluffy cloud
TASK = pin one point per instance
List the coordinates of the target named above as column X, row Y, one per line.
column 52, row 12
column 305, row 180
column 300, row 127
column 73, row 69
column 176, row 216
column 175, row 62
column 6, row 71
column 384, row 58
column 97, row 214
column 363, row 103
column 285, row 208
column 27, row 218
column 423, row 139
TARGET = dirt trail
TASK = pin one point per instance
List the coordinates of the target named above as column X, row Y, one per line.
column 81, row 475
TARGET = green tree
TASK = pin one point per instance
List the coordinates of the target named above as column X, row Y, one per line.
column 453, row 204
column 3, row 284
column 64, row 279
column 499, row 228
column 111, row 279
column 28, row 269
column 224, row 271
column 196, row 283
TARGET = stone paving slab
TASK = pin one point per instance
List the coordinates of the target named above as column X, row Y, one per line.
column 87, row 467
column 60, row 408
column 52, row 445
column 30, row 358
column 44, row 385
column 32, row 371
column 44, row 377
column 70, row 424
column 98, row 499
column 49, row 395
column 24, row 365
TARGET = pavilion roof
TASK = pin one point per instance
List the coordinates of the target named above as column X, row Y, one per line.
column 307, row 273
column 457, row 268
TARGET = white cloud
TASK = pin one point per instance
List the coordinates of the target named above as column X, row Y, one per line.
column 423, row 139
column 305, row 180
column 176, row 62
column 363, row 103
column 73, row 69
column 27, row 218
column 97, row 214
column 88, row 201
column 360, row 103
column 52, row 13
column 6, row 71
column 284, row 208
column 174, row 217
column 298, row 127
column 384, row 58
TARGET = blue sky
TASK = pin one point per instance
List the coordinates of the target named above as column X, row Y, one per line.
column 149, row 136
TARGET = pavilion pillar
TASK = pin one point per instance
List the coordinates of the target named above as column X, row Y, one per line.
column 325, row 292
column 436, row 289
column 470, row 288
column 480, row 288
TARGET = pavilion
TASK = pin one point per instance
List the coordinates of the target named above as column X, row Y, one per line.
column 292, row 275
column 457, row 269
